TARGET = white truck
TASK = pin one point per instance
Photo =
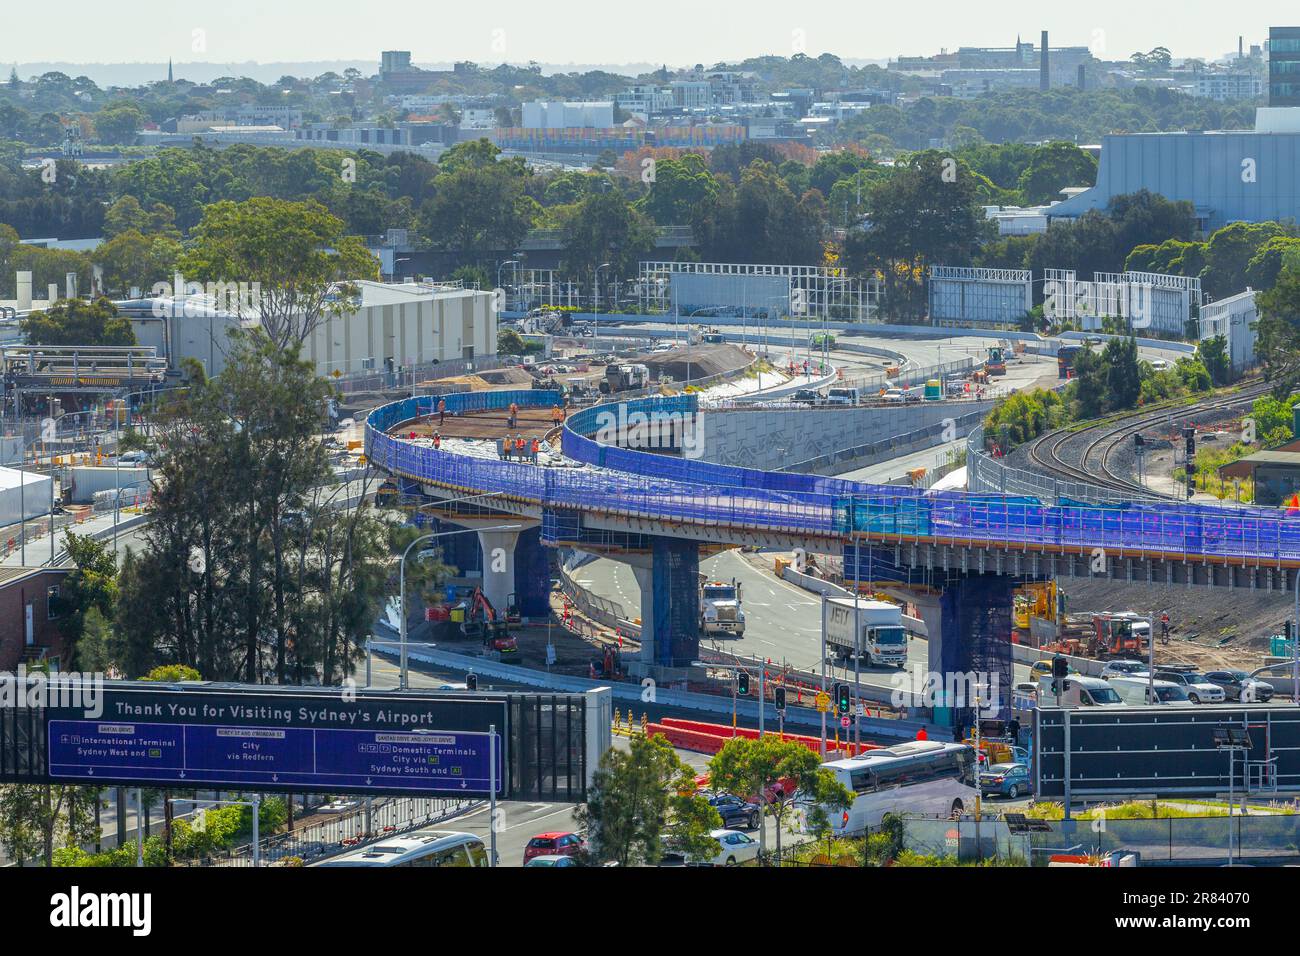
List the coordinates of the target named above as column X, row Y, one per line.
column 1077, row 691
column 871, row 630
column 720, row 609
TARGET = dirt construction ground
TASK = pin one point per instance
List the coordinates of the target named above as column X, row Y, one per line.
column 1209, row 627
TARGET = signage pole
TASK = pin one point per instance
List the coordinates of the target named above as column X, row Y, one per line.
column 257, row 850
column 139, row 827
column 823, row 711
column 492, row 793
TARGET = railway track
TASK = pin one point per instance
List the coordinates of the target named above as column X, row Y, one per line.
column 1094, row 463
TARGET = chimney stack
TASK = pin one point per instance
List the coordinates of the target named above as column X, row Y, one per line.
column 1083, row 77
column 1044, row 74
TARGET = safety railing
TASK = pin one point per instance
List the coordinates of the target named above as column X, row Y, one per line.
column 838, row 510
column 987, row 475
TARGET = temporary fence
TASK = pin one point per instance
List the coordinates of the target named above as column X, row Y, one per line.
column 356, row 826
column 748, row 500
column 409, row 377
column 1262, row 837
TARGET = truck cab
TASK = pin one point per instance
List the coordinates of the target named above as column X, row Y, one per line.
column 720, row 609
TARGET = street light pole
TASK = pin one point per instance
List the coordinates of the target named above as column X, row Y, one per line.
column 595, row 300
column 402, row 683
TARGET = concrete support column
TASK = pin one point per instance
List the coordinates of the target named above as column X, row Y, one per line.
column 24, row 291
column 969, row 628
column 498, row 566
column 645, row 583
column 676, row 604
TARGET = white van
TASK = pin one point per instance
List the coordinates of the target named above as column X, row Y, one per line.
column 1078, row 691
column 1134, row 690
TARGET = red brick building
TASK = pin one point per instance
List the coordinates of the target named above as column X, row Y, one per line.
column 27, row 632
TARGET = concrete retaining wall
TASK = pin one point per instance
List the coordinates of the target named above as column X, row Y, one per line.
column 780, row 437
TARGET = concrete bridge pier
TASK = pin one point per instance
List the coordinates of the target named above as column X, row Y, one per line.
column 669, row 579
column 969, row 625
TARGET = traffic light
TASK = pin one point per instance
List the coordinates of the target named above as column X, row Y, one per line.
column 471, row 682
column 1191, row 482
column 1139, row 442
column 843, row 703
column 1060, row 666
column 742, row 684
column 779, row 695
column 1189, row 437
column 1286, row 628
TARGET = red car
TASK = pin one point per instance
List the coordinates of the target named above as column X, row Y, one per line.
column 554, row 844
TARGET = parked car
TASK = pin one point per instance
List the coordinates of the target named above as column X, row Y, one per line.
column 551, row 859
column 894, row 395
column 1239, row 685
column 1044, row 669
column 1122, row 669
column 554, row 844
column 807, row 396
column 737, row 848
column 1008, row 780
column 1199, row 690
column 735, row 811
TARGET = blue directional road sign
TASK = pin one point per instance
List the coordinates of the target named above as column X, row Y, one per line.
column 317, row 759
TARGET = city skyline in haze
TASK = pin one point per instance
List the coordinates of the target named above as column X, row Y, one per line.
column 585, row 33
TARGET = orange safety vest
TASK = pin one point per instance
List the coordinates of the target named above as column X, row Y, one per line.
column 519, row 444
column 535, row 446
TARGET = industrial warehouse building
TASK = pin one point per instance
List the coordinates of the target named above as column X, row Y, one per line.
column 402, row 324
column 1227, row 176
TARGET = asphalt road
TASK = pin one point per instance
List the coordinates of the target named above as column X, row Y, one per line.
column 782, row 621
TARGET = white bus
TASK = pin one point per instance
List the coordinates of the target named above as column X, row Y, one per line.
column 923, row 777
column 422, row 848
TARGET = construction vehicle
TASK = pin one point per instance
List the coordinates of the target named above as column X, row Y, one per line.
column 720, row 609
column 624, row 378
column 1105, row 636
column 997, row 361
column 483, row 623
column 711, row 337
column 871, row 630
column 512, row 610
column 1037, row 601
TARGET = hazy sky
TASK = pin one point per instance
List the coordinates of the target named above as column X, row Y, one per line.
column 679, row 32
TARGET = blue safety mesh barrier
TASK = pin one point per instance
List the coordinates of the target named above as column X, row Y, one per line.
column 1253, row 535
column 676, row 595
column 578, row 444
column 532, row 574
column 560, row 527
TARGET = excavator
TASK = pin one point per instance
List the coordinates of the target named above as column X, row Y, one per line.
column 483, row 623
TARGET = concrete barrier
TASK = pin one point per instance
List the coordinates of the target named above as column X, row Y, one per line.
column 633, row 693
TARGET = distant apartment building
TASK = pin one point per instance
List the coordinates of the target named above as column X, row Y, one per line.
column 397, row 73
column 967, row 84
column 541, row 114
column 1224, row 87
column 476, row 118
column 283, row 117
column 1284, row 66
column 645, row 100
column 691, row 94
